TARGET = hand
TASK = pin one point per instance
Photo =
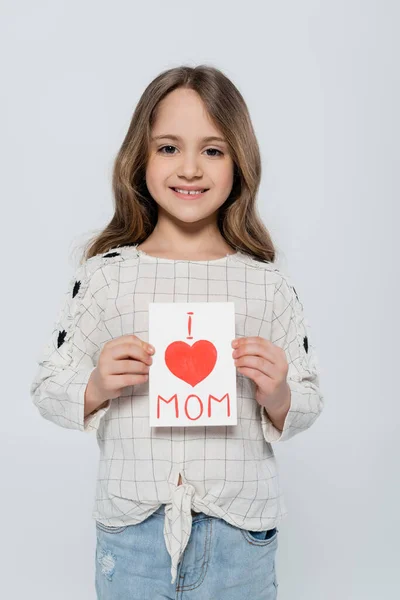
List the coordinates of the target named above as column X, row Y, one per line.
column 123, row 361
column 266, row 364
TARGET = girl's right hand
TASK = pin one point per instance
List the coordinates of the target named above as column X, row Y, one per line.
column 123, row 361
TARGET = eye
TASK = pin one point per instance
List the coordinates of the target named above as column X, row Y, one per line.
column 160, row 150
column 215, row 150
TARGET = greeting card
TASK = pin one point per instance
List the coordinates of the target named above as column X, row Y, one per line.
column 192, row 380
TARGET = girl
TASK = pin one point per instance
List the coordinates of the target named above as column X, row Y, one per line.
column 183, row 512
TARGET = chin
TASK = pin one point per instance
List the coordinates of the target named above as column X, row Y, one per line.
column 188, row 214
column 193, row 217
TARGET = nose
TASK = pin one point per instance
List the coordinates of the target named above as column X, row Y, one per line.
column 189, row 166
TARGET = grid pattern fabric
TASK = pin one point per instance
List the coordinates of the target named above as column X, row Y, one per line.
column 228, row 472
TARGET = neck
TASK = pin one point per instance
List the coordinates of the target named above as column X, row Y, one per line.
column 190, row 240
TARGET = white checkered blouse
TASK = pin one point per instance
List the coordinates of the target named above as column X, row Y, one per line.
column 227, row 472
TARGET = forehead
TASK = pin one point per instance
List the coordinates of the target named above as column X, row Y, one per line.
column 183, row 114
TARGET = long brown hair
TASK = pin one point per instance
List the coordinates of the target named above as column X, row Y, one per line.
column 136, row 211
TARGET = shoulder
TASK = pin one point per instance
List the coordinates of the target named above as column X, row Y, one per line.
column 279, row 282
column 285, row 286
column 271, row 273
column 94, row 275
column 119, row 253
column 105, row 260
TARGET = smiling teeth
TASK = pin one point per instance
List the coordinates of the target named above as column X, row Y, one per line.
column 191, row 193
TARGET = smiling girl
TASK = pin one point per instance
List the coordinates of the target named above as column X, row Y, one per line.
column 183, row 510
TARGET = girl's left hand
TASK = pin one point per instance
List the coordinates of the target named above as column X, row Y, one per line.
column 266, row 364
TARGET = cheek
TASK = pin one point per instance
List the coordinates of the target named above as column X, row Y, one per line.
column 224, row 177
column 157, row 172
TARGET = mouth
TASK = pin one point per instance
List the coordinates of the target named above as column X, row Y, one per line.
column 189, row 194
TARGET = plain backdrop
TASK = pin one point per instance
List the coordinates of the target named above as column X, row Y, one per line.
column 321, row 80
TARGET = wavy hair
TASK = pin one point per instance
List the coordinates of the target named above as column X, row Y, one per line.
column 135, row 214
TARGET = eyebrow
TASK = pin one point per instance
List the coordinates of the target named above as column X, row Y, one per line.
column 177, row 138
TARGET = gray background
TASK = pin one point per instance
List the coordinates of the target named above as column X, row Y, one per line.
column 321, row 80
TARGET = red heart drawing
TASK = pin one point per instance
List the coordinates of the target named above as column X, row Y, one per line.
column 191, row 363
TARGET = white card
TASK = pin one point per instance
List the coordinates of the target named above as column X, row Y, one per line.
column 192, row 380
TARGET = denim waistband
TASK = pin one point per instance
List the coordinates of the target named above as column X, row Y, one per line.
column 161, row 511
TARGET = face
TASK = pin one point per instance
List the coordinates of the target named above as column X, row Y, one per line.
column 188, row 159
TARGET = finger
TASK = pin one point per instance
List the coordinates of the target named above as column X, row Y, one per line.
column 128, row 379
column 256, row 349
column 130, row 350
column 251, row 338
column 130, row 338
column 262, row 380
column 255, row 362
column 119, row 367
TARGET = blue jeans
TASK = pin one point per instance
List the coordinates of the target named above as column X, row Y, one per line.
column 220, row 562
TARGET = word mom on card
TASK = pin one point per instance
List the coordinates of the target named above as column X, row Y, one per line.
column 192, row 380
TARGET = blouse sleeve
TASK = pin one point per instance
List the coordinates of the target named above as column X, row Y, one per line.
column 291, row 331
column 68, row 359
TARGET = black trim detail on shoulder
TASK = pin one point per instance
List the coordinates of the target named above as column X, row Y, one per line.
column 61, row 337
column 305, row 343
column 77, row 285
column 111, row 254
